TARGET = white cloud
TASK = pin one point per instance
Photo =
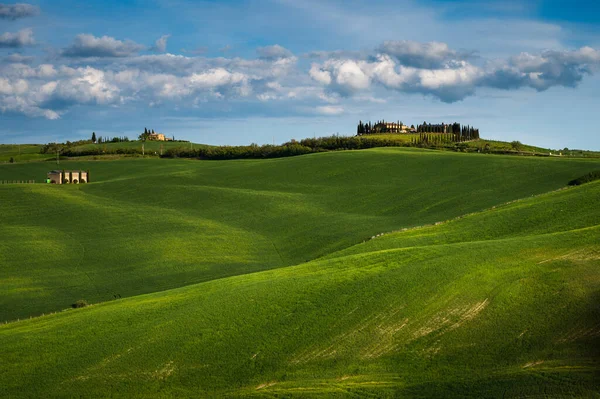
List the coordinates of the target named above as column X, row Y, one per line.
column 91, row 46
column 320, row 75
column 161, row 44
column 420, row 55
column 329, row 110
column 344, row 76
column 434, row 69
column 17, row 11
column 21, row 38
column 273, row 52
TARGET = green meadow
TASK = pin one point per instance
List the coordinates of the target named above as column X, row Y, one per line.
column 272, row 278
column 22, row 153
column 492, row 145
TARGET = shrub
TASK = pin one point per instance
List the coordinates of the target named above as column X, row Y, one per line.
column 81, row 303
column 516, row 145
column 12, row 160
column 595, row 175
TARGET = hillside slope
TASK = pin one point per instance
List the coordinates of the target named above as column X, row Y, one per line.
column 513, row 314
column 143, row 226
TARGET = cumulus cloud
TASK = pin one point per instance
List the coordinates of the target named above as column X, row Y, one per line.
column 329, row 110
column 163, row 78
column 319, row 74
column 17, row 11
column 345, row 77
column 420, row 55
column 161, row 44
column 21, row 38
column 45, row 91
column 434, row 69
column 91, row 46
column 273, row 52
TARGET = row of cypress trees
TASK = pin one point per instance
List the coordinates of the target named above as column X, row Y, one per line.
column 456, row 131
column 375, row 128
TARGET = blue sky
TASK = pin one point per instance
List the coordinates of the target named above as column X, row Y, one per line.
column 237, row 72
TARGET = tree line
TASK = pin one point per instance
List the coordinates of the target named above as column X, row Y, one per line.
column 292, row 148
column 455, row 131
column 106, row 139
column 378, row 127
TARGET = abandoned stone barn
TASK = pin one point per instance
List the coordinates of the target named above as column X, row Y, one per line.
column 68, row 176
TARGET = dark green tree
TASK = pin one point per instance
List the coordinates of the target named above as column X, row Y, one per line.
column 93, row 137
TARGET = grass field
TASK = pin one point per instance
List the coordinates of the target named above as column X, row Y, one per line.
column 22, row 153
column 494, row 145
column 260, row 278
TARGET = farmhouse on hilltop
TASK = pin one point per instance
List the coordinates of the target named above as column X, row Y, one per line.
column 393, row 127
column 158, row 137
column 68, row 176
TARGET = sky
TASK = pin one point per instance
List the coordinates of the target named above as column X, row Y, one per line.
column 241, row 71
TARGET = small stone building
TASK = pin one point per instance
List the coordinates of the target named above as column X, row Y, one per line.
column 68, row 176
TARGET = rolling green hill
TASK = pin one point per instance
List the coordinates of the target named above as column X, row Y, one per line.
column 22, row 153
column 147, row 225
column 270, row 284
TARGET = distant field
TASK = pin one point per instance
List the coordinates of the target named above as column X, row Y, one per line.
column 22, row 152
column 401, row 137
column 494, row 145
column 260, row 277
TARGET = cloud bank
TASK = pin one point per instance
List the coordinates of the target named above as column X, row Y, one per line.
column 86, row 45
column 436, row 70
column 105, row 71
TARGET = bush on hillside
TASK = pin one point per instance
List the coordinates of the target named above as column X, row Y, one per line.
column 595, row 175
column 239, row 152
column 81, row 303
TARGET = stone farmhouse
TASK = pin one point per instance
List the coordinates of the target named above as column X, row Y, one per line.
column 158, row 137
column 68, row 176
column 393, row 127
